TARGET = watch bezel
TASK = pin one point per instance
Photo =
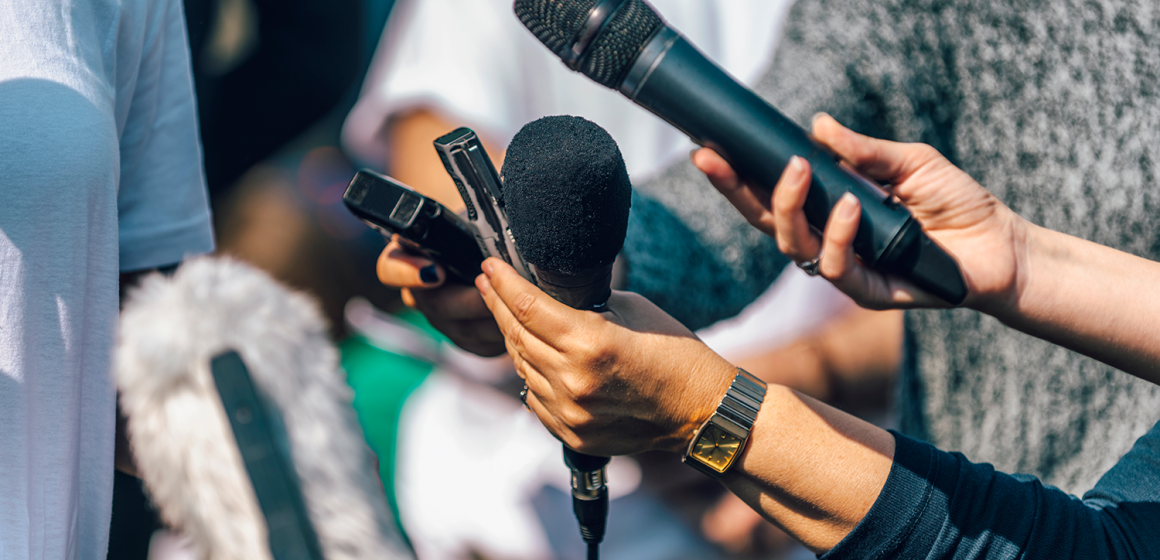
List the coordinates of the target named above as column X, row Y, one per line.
column 704, row 465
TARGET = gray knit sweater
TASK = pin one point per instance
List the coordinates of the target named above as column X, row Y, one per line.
column 1055, row 107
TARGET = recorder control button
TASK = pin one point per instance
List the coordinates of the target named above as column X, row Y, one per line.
column 419, row 231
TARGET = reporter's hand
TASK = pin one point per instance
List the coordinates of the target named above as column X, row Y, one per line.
column 984, row 236
column 457, row 310
column 629, row 380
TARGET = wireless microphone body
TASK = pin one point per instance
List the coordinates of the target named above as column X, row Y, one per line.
column 254, row 455
column 568, row 196
column 624, row 45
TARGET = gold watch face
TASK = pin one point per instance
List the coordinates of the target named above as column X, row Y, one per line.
column 716, row 447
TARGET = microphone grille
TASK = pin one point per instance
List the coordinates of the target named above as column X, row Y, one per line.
column 556, row 24
column 607, row 60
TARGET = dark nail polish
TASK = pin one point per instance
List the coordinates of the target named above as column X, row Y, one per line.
column 429, row 274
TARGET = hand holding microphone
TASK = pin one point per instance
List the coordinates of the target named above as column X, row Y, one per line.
column 951, row 207
column 563, row 218
column 455, row 309
column 612, row 383
column 567, row 195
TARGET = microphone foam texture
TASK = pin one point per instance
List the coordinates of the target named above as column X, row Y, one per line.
column 183, row 443
column 567, row 194
column 557, row 24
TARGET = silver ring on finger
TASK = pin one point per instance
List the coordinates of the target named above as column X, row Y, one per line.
column 524, row 396
column 811, row 266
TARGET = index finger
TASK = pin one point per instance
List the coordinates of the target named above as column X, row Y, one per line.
column 753, row 204
column 526, row 305
column 881, row 160
column 403, row 268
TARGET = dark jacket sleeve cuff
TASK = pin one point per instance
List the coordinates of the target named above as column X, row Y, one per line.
column 903, row 501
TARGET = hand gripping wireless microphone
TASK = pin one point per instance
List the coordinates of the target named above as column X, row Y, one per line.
column 624, row 45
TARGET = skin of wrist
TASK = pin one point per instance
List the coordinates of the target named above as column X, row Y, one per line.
column 1003, row 299
column 1034, row 248
column 1051, row 261
column 700, row 402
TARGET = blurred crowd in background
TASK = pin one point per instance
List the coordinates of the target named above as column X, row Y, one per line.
column 278, row 86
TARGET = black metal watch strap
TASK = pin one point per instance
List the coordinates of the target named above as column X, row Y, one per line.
column 736, row 415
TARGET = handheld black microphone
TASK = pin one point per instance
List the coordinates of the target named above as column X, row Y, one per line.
column 624, row 45
column 254, row 455
column 568, row 198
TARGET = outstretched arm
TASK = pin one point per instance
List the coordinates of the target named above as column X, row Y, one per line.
column 1087, row 297
column 633, row 379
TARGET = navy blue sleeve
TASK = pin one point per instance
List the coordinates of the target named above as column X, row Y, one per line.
column 939, row 505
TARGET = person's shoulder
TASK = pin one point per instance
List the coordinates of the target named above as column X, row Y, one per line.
column 854, row 60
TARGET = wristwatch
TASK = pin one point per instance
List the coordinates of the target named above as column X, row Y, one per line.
column 722, row 437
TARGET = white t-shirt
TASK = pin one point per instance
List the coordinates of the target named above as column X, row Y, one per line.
column 100, row 172
column 476, row 64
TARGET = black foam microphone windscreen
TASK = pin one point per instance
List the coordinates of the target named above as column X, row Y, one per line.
column 568, row 197
column 184, row 446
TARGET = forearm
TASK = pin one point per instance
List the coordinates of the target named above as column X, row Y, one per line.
column 1090, row 298
column 811, row 469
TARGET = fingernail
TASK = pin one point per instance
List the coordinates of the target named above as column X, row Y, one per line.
column 486, row 267
column 849, row 207
column 429, row 274
column 482, row 284
column 693, row 158
column 795, row 163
